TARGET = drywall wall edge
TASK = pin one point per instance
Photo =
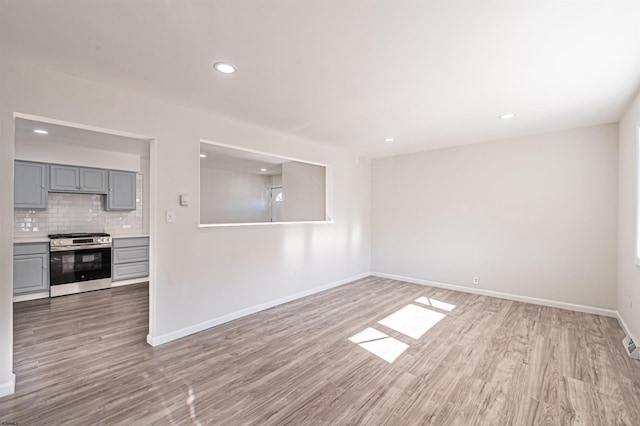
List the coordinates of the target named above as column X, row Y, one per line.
column 625, row 327
column 9, row 387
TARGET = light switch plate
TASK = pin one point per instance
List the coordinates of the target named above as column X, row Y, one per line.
column 170, row 216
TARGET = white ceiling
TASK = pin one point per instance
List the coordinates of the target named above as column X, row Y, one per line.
column 350, row 73
column 71, row 136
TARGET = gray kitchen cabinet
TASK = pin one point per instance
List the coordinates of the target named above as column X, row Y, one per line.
column 34, row 180
column 30, row 267
column 77, row 179
column 93, row 180
column 30, row 185
column 122, row 190
column 130, row 258
column 64, row 178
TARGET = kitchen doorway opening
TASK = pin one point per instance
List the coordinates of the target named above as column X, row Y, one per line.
column 99, row 160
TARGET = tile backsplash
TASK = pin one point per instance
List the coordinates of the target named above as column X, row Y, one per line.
column 67, row 212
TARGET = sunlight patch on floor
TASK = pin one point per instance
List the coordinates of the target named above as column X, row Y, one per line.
column 435, row 303
column 412, row 320
column 379, row 344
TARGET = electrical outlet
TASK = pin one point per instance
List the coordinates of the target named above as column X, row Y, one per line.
column 476, row 280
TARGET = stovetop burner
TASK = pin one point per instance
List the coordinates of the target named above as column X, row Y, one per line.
column 79, row 235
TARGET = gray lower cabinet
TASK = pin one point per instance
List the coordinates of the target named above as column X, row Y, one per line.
column 30, row 185
column 30, row 267
column 130, row 258
column 77, row 179
column 122, row 190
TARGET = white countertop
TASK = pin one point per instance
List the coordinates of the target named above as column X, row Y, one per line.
column 24, row 240
column 120, row 236
column 45, row 239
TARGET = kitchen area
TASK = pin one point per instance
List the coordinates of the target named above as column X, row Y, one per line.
column 81, row 210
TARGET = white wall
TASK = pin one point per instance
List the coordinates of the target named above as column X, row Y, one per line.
column 197, row 274
column 233, row 197
column 303, row 192
column 59, row 153
column 628, row 270
column 276, row 180
column 533, row 216
column 145, row 170
column 6, row 247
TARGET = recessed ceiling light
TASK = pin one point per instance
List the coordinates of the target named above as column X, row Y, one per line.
column 203, row 155
column 508, row 115
column 388, row 139
column 224, row 67
column 41, row 131
column 263, row 170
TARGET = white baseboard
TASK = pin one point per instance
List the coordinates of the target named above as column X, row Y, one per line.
column 128, row 282
column 625, row 327
column 45, row 294
column 9, row 387
column 31, row 296
column 526, row 299
column 168, row 337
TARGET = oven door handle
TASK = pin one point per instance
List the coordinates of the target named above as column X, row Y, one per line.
column 76, row 248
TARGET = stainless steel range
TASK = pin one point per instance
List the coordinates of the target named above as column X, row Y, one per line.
column 79, row 262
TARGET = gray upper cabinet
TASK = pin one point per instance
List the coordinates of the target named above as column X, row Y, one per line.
column 64, row 178
column 34, row 180
column 30, row 185
column 122, row 190
column 93, row 180
column 78, row 179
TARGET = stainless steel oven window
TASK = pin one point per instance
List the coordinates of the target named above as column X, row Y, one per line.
column 68, row 263
column 80, row 265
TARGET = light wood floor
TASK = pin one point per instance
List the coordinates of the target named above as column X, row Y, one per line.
column 83, row 360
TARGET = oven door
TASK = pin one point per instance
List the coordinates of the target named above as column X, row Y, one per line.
column 82, row 264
